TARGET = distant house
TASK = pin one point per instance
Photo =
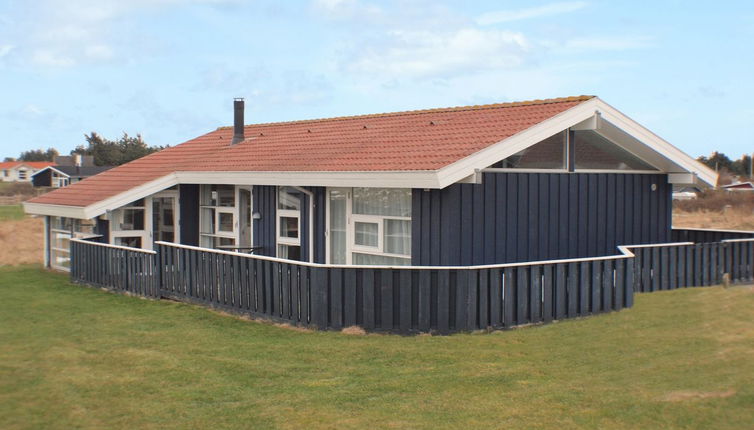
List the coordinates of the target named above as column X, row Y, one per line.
column 67, row 170
column 738, row 186
column 510, row 182
column 21, row 171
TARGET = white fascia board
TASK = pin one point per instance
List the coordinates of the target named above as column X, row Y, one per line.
column 382, row 179
column 136, row 193
column 516, row 143
column 55, row 210
column 661, row 146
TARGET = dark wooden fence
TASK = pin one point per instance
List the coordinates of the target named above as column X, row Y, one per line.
column 114, row 267
column 670, row 266
column 396, row 299
column 703, row 235
column 409, row 299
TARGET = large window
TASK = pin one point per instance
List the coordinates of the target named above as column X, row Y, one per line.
column 219, row 214
column 289, row 223
column 61, row 231
column 370, row 226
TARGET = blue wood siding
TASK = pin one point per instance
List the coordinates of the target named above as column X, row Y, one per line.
column 188, row 196
column 265, row 202
column 538, row 216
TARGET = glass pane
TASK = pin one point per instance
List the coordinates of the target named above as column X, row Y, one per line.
column 290, row 252
column 288, row 227
column 60, row 240
column 398, row 236
column 225, row 222
column 382, row 201
column 61, row 223
column 60, row 258
column 132, row 242
column 547, row 154
column 227, row 243
column 289, row 199
column 337, row 227
column 592, row 151
column 226, row 195
column 367, row 234
column 208, row 221
column 368, row 259
column 133, row 219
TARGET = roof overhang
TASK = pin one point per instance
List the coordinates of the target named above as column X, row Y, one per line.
column 593, row 114
column 53, row 169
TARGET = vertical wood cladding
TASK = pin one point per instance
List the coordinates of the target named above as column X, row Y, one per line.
column 538, row 216
column 188, row 197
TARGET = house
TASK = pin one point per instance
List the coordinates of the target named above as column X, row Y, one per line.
column 21, row 171
column 67, row 170
column 738, row 186
column 510, row 182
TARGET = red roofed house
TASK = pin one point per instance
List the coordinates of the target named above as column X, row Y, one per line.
column 509, row 182
column 21, row 171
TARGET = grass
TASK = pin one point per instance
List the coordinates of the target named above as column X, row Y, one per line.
column 11, row 212
column 75, row 357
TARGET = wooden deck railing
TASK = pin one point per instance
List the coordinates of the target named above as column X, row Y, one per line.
column 114, row 267
column 412, row 299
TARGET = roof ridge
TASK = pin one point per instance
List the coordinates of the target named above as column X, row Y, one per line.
column 426, row 111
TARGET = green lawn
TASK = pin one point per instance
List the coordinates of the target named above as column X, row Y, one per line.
column 11, row 212
column 75, row 357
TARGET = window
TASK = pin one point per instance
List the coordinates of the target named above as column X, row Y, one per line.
column 219, row 216
column 289, row 223
column 5, row 172
column 61, row 231
column 130, row 221
column 22, row 175
column 370, row 226
column 547, row 154
column 593, row 151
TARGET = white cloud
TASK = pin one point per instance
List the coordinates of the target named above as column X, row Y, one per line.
column 50, row 33
column 428, row 54
column 501, row 16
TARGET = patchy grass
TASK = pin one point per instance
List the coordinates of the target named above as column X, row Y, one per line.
column 74, row 357
column 11, row 212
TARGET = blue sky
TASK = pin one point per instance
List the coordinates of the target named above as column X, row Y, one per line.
column 168, row 69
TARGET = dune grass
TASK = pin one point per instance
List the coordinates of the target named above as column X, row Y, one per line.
column 76, row 357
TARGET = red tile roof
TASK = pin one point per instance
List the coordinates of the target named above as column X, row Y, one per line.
column 32, row 164
column 424, row 140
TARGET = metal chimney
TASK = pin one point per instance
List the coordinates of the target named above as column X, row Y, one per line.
column 237, row 121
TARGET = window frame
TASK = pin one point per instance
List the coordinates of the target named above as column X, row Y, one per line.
column 287, row 213
column 351, row 220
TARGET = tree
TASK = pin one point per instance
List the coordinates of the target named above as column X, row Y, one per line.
column 114, row 152
column 39, row 155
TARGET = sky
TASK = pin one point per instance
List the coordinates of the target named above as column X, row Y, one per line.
column 169, row 69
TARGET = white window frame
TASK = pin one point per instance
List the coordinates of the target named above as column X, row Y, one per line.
column 233, row 210
column 351, row 220
column 176, row 213
column 286, row 213
column 116, row 218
